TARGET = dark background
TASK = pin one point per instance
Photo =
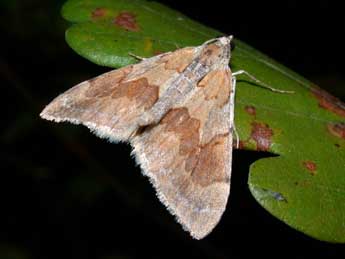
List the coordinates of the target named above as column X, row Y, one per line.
column 67, row 194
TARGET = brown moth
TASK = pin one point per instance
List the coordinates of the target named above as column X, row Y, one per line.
column 177, row 111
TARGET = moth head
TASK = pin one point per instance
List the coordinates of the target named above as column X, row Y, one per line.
column 226, row 40
column 217, row 51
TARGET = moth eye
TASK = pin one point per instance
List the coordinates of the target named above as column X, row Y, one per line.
column 232, row 45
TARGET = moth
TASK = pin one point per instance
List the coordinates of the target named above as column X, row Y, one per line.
column 177, row 111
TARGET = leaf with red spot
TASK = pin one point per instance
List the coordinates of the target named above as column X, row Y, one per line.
column 305, row 184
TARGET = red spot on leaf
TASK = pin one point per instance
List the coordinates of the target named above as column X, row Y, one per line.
column 310, row 166
column 329, row 102
column 261, row 134
column 98, row 12
column 250, row 110
column 127, row 21
column 337, row 129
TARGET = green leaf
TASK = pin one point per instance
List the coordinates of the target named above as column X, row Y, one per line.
column 304, row 185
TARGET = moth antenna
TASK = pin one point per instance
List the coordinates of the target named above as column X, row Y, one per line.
column 210, row 41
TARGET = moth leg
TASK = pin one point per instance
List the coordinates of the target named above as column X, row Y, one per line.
column 232, row 110
column 137, row 57
column 176, row 45
column 237, row 137
column 260, row 83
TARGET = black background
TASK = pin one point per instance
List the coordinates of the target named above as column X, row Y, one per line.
column 67, row 194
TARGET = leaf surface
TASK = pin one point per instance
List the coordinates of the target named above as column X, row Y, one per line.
column 304, row 185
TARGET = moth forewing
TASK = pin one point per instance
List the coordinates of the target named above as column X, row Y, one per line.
column 186, row 98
